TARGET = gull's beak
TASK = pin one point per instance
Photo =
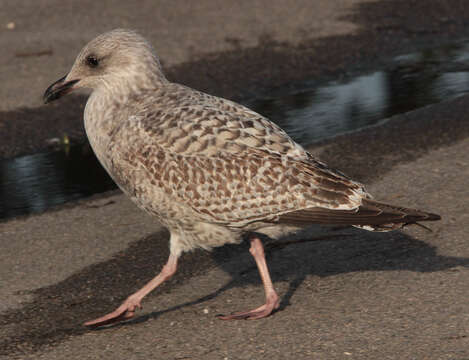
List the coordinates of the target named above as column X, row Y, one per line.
column 58, row 89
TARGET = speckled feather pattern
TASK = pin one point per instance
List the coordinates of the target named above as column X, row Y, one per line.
column 207, row 168
column 200, row 163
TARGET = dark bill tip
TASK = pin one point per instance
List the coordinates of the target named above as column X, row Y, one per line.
column 58, row 89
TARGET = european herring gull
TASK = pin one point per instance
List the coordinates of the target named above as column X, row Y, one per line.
column 209, row 169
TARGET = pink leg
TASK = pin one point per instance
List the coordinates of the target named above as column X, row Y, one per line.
column 132, row 303
column 271, row 298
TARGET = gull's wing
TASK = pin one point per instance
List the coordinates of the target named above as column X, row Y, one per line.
column 230, row 166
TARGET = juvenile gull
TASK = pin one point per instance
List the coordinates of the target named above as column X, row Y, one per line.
column 209, row 169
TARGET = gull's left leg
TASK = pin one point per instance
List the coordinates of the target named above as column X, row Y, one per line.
column 132, row 303
column 272, row 301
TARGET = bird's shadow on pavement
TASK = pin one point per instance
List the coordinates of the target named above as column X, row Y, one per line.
column 56, row 312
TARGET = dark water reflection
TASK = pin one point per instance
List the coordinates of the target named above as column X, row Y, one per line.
column 34, row 183
column 413, row 81
column 328, row 110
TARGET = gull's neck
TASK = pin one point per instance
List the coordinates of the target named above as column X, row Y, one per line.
column 123, row 86
column 111, row 98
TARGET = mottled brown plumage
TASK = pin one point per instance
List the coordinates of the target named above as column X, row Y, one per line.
column 209, row 169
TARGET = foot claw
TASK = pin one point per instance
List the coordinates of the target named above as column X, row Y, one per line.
column 123, row 312
column 110, row 318
column 259, row 313
column 263, row 311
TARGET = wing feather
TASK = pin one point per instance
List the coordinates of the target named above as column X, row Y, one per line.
column 370, row 213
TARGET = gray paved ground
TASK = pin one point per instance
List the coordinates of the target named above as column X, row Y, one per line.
column 400, row 295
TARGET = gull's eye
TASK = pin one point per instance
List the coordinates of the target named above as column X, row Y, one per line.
column 92, row 61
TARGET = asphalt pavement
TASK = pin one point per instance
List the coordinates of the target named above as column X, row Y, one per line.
column 345, row 294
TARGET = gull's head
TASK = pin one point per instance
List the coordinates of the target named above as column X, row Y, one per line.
column 119, row 57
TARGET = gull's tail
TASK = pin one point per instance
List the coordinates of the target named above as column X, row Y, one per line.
column 371, row 215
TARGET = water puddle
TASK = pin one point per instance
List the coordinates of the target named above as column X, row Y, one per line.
column 34, row 183
column 412, row 81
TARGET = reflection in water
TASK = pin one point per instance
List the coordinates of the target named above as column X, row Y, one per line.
column 329, row 110
column 34, row 183
column 415, row 80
